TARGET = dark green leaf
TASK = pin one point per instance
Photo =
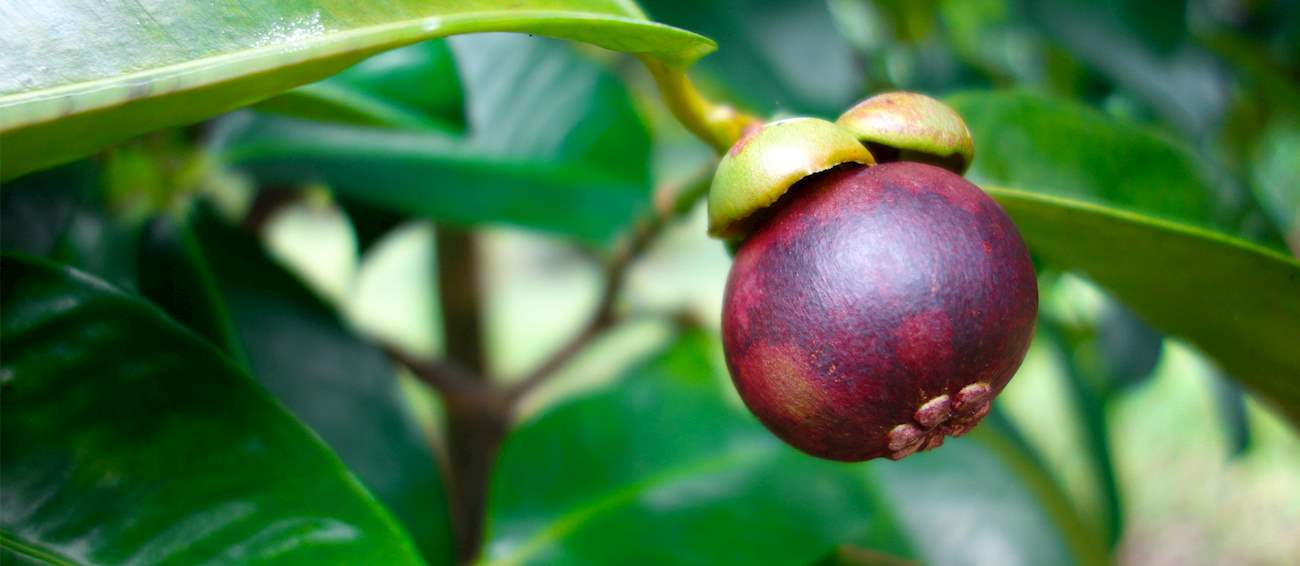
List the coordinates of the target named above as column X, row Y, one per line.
column 1236, row 301
column 128, row 439
column 554, row 143
column 412, row 87
column 118, row 69
column 663, row 456
column 62, row 214
column 35, row 211
column 175, row 276
column 342, row 387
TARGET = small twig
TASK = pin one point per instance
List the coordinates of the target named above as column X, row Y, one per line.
column 449, row 379
column 643, row 232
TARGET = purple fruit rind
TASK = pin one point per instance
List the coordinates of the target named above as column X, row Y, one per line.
column 870, row 293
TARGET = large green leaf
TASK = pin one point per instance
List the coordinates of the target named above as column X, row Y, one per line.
column 1061, row 148
column 663, row 469
column 127, row 439
column 554, row 142
column 346, row 390
column 1236, row 301
column 77, row 75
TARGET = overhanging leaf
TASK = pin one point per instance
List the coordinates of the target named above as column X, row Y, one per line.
column 78, row 75
column 127, row 439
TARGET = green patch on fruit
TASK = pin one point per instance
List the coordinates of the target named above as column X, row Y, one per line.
column 766, row 162
column 906, row 126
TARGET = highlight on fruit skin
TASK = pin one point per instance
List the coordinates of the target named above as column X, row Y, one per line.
column 877, row 311
column 766, row 161
column 907, row 126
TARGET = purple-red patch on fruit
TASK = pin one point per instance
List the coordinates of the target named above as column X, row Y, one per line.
column 878, row 310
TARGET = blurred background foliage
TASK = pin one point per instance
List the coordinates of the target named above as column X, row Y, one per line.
column 306, row 224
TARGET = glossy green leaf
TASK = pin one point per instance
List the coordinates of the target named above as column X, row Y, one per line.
column 77, row 75
column 663, row 468
column 411, row 87
column 662, row 457
column 127, row 439
column 345, row 390
column 1236, row 301
column 553, row 143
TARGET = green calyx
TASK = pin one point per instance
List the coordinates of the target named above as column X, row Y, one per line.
column 906, row 126
column 767, row 161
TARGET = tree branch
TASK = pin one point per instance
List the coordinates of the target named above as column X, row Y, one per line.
column 459, row 294
column 449, row 379
column 478, row 420
column 675, row 204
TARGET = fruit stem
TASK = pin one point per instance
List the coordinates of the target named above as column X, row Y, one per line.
column 718, row 125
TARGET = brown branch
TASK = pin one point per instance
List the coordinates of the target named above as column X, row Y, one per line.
column 449, row 379
column 477, row 421
column 672, row 205
column 459, row 294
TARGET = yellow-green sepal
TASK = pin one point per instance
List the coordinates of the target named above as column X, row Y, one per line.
column 906, row 126
column 767, row 161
